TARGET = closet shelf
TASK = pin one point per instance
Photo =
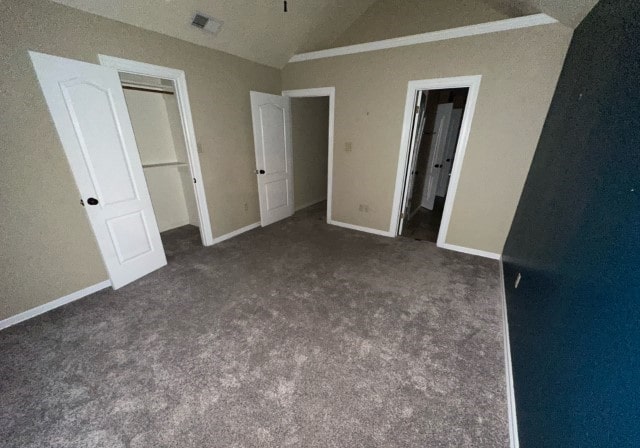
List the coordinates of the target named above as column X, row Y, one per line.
column 153, row 165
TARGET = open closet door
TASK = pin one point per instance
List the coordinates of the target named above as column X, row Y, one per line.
column 274, row 158
column 90, row 114
column 417, row 131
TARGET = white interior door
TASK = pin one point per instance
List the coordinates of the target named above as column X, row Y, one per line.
column 449, row 152
column 434, row 162
column 90, row 114
column 417, row 131
column 274, row 157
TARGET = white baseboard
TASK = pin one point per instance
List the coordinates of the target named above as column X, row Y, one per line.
column 235, row 233
column 309, row 204
column 361, row 228
column 511, row 396
column 53, row 304
column 468, row 250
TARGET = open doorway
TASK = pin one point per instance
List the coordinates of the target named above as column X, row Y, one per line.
column 155, row 118
column 434, row 137
column 282, row 189
column 320, row 100
column 310, row 140
column 160, row 114
column 437, row 123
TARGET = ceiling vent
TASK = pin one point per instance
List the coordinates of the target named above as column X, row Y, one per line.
column 206, row 23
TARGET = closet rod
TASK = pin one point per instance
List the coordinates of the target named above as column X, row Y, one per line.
column 146, row 89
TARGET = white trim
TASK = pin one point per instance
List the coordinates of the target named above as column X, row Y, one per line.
column 514, row 441
column 433, row 36
column 361, row 228
column 331, row 93
column 33, row 312
column 236, row 232
column 309, row 204
column 469, row 250
column 180, row 80
column 473, row 84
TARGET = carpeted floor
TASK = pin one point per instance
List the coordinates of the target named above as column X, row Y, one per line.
column 300, row 334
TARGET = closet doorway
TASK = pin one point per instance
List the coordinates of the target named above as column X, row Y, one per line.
column 160, row 114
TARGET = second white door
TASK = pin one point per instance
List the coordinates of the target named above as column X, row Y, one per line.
column 271, row 116
column 434, row 164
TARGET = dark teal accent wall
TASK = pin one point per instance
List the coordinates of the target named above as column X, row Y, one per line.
column 574, row 321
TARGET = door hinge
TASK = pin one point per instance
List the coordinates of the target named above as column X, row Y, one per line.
column 417, row 109
column 194, row 180
column 82, row 202
column 402, row 215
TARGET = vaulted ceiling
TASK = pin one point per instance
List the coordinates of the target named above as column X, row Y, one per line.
column 568, row 12
column 258, row 30
column 261, row 31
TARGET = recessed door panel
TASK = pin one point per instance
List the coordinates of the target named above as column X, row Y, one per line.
column 276, row 194
column 272, row 124
column 130, row 236
column 100, row 137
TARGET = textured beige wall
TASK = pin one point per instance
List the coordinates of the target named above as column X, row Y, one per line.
column 310, row 131
column 149, row 114
column 386, row 19
column 150, row 121
column 177, row 134
column 47, row 248
column 519, row 71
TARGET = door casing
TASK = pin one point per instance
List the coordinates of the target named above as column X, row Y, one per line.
column 182, row 95
column 473, row 84
column 319, row 92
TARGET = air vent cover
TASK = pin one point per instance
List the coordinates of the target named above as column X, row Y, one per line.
column 206, row 23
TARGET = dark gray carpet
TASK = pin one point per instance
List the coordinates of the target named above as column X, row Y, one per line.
column 300, row 334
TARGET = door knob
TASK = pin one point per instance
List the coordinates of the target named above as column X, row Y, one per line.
column 437, row 166
column 92, row 201
column 259, row 171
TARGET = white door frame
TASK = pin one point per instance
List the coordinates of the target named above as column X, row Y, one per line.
column 473, row 84
column 180, row 81
column 317, row 92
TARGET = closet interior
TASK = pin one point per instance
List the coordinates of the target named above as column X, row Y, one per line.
column 157, row 125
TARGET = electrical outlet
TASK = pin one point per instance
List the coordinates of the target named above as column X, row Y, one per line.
column 348, row 146
column 518, row 278
column 246, row 207
column 199, row 145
